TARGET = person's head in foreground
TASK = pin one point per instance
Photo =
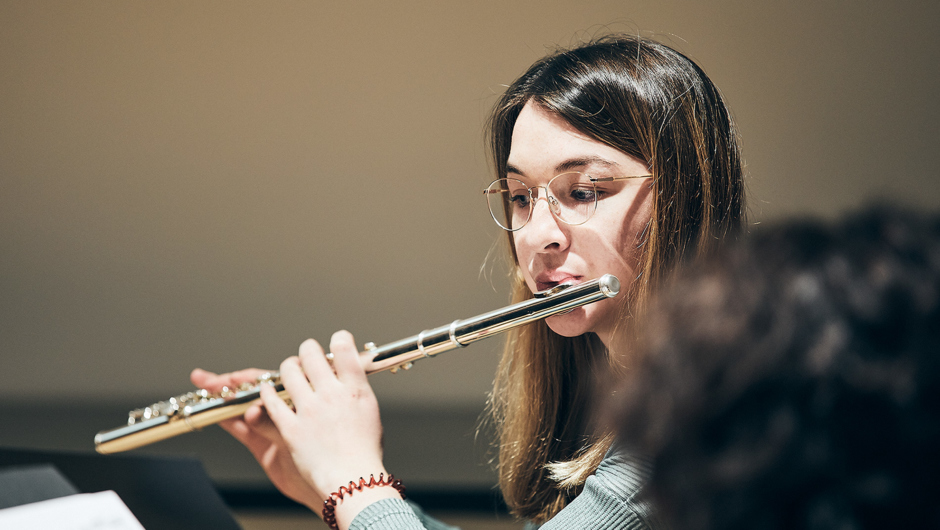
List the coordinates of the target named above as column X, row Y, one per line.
column 792, row 381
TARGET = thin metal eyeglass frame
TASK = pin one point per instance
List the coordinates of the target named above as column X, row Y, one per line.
column 548, row 195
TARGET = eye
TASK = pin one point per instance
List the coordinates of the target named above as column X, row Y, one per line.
column 573, row 188
column 580, row 194
column 519, row 199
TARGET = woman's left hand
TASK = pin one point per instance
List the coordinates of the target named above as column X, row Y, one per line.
column 334, row 433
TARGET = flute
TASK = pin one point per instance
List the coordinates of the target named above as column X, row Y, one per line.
column 195, row 410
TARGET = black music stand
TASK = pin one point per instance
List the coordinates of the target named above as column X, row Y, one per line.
column 28, row 484
column 162, row 492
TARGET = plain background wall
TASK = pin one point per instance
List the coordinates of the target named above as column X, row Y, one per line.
column 209, row 183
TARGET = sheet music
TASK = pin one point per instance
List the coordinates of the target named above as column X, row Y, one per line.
column 86, row 511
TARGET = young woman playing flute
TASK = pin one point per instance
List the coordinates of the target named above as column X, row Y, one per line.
column 617, row 156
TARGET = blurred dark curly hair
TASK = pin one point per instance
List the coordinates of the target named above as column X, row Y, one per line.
column 792, row 380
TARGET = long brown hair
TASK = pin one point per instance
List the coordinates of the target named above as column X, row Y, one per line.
column 653, row 103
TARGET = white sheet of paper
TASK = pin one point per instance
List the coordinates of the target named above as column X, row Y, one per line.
column 85, row 511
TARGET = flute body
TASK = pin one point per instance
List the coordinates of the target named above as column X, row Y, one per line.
column 198, row 409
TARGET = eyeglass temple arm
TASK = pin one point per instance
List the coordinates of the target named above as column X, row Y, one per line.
column 593, row 179
column 612, row 179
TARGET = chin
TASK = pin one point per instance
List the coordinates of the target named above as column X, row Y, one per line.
column 570, row 324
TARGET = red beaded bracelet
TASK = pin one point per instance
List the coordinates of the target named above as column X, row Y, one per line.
column 329, row 505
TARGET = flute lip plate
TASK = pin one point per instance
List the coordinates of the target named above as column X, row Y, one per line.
column 553, row 290
column 608, row 283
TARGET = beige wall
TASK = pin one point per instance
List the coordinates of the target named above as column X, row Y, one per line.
column 206, row 184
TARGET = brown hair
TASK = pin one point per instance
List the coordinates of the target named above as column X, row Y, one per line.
column 653, row 103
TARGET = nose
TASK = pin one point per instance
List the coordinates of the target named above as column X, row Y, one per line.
column 541, row 192
column 544, row 230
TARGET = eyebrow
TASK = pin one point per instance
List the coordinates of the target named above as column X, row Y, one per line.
column 568, row 165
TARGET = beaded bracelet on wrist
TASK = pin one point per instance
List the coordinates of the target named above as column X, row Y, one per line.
column 329, row 505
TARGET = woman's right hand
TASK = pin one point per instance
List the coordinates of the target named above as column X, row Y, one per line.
column 257, row 432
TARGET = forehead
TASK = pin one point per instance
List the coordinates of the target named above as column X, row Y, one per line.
column 543, row 142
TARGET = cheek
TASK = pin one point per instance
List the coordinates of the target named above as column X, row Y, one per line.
column 523, row 257
column 634, row 231
column 636, row 224
column 525, row 248
column 620, row 246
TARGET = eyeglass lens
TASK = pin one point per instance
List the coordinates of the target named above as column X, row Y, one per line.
column 572, row 198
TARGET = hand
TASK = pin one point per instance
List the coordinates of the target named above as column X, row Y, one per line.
column 335, row 433
column 257, row 432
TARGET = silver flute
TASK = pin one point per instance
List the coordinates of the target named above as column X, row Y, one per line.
column 195, row 410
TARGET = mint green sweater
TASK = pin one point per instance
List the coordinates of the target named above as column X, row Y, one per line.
column 609, row 501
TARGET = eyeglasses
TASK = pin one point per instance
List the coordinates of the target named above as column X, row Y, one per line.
column 571, row 197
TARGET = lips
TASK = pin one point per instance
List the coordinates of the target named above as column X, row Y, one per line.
column 549, row 279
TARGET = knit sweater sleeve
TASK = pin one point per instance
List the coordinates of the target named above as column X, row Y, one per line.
column 396, row 514
column 610, row 500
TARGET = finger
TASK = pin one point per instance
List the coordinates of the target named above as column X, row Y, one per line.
column 315, row 365
column 214, row 382
column 211, row 381
column 259, row 421
column 202, row 378
column 248, row 375
column 255, row 422
column 256, row 443
column 238, row 428
column 295, row 382
column 277, row 410
column 346, row 358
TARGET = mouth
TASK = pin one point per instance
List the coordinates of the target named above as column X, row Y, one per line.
column 548, row 280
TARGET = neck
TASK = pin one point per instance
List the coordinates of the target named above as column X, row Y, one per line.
column 614, row 338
